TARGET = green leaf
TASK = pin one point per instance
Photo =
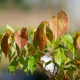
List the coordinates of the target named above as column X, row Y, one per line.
column 46, row 47
column 31, row 64
column 10, row 28
column 70, row 62
column 23, row 62
column 49, row 33
column 68, row 40
column 60, row 57
column 53, row 43
column 0, row 55
column 75, row 33
column 61, row 46
column 11, row 53
column 13, row 66
column 70, row 68
column 1, row 36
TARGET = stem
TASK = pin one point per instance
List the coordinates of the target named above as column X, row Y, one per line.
column 66, row 74
column 51, row 77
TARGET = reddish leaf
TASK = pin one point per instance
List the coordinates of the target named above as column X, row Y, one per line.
column 59, row 25
column 4, row 44
column 76, row 40
column 41, row 37
column 21, row 38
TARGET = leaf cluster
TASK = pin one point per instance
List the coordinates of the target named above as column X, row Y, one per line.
column 26, row 47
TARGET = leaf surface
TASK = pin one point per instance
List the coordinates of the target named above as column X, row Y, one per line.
column 60, row 24
column 68, row 40
column 77, row 40
column 60, row 57
column 21, row 38
column 49, row 33
column 41, row 36
column 5, row 45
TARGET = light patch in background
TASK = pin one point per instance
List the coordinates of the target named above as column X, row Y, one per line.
column 49, row 67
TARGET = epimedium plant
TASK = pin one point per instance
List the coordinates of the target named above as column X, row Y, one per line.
column 25, row 49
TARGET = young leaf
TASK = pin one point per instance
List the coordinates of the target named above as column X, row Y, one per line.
column 11, row 53
column 21, row 38
column 1, row 36
column 41, row 37
column 0, row 55
column 13, row 65
column 31, row 64
column 67, row 39
column 49, row 33
column 59, row 25
column 70, row 68
column 4, row 44
column 60, row 57
column 9, row 28
column 35, row 41
column 31, row 49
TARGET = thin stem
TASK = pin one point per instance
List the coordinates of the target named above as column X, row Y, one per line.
column 51, row 78
column 66, row 74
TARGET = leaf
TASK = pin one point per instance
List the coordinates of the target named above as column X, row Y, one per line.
column 0, row 55
column 13, row 65
column 9, row 28
column 24, row 64
column 4, row 44
column 31, row 64
column 35, row 41
column 49, row 33
column 60, row 57
column 1, row 36
column 70, row 68
column 41, row 37
column 21, row 38
column 68, row 40
column 76, row 39
column 31, row 49
column 11, row 53
column 59, row 25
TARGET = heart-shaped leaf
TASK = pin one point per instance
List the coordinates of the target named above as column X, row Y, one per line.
column 4, row 44
column 60, row 57
column 41, row 37
column 21, row 38
column 59, row 25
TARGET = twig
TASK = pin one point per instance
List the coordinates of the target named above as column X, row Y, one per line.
column 66, row 75
column 51, row 77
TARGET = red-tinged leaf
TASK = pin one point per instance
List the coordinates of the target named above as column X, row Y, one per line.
column 21, row 38
column 53, row 25
column 4, row 44
column 59, row 25
column 76, row 40
column 41, row 37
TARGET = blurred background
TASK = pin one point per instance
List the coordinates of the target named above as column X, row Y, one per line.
column 20, row 13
